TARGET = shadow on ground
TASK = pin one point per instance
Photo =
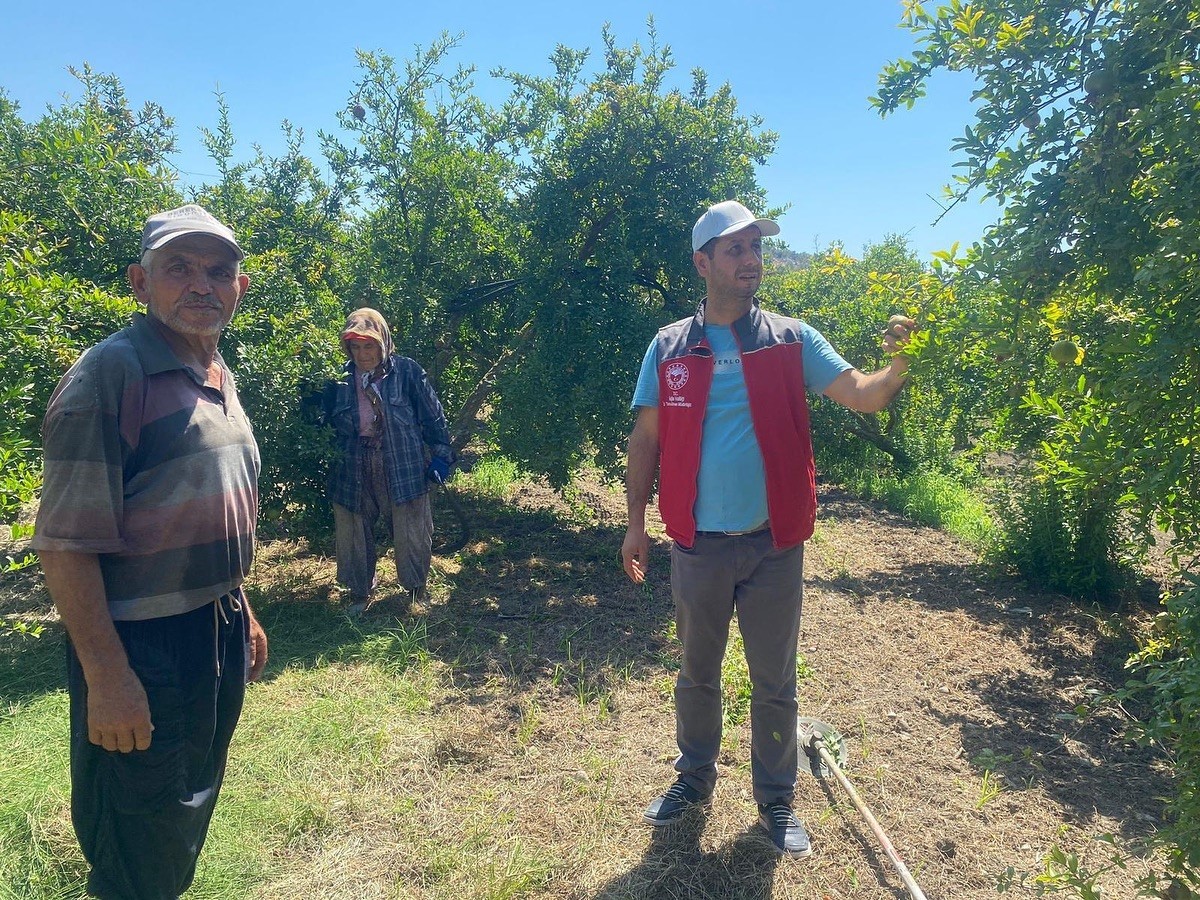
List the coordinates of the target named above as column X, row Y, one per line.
column 33, row 659
column 1080, row 757
column 528, row 594
column 674, row 865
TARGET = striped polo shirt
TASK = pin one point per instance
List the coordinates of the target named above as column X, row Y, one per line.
column 153, row 472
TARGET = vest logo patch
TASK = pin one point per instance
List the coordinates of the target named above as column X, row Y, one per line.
column 677, row 375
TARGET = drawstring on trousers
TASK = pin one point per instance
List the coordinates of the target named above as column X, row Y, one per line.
column 219, row 616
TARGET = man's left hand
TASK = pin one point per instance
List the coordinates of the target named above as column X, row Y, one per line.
column 258, row 647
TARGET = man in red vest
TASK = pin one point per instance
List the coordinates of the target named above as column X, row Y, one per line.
column 723, row 418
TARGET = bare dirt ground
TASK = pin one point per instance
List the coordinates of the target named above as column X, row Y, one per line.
column 957, row 695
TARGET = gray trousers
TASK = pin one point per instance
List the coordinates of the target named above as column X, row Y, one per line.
column 722, row 574
column 410, row 525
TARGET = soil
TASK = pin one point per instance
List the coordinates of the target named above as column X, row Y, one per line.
column 962, row 698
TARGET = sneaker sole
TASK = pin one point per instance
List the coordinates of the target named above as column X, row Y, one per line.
column 799, row 854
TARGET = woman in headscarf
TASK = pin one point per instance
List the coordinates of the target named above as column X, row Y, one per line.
column 393, row 444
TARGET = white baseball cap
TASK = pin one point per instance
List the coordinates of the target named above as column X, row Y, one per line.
column 164, row 227
column 726, row 218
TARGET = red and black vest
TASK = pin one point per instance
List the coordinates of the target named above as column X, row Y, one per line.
column 771, row 347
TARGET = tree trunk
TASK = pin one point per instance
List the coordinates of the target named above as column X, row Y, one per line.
column 464, row 423
column 871, row 433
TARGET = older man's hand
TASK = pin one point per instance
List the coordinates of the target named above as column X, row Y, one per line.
column 258, row 647
column 118, row 713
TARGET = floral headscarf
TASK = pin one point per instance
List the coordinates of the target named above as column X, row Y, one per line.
column 367, row 324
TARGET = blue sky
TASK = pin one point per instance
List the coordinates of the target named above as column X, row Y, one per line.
column 806, row 67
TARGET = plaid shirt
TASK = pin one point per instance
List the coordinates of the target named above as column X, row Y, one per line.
column 412, row 421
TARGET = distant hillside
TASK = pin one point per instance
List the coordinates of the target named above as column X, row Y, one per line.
column 783, row 257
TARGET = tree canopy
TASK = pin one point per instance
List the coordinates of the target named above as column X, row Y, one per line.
column 522, row 253
column 1086, row 127
column 526, row 252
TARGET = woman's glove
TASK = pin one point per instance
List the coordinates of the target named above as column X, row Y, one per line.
column 439, row 470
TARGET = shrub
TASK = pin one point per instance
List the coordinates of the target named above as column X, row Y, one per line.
column 42, row 315
column 1059, row 540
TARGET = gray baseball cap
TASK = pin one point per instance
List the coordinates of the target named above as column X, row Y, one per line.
column 726, row 218
column 164, row 227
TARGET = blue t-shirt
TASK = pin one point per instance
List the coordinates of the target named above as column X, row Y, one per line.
column 732, row 486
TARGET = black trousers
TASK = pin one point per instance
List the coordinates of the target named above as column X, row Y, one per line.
column 141, row 817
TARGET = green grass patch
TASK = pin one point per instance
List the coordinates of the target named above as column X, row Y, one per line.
column 341, row 772
column 930, row 498
column 492, row 476
column 314, row 758
column 40, row 860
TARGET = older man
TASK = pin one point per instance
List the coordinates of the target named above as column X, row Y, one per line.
column 146, row 534
column 721, row 401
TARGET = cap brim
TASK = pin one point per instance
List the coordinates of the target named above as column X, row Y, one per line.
column 766, row 227
column 163, row 241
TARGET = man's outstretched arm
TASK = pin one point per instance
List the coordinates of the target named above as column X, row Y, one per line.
column 869, row 393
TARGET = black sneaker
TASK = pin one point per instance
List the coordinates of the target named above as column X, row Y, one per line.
column 670, row 807
column 784, row 829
